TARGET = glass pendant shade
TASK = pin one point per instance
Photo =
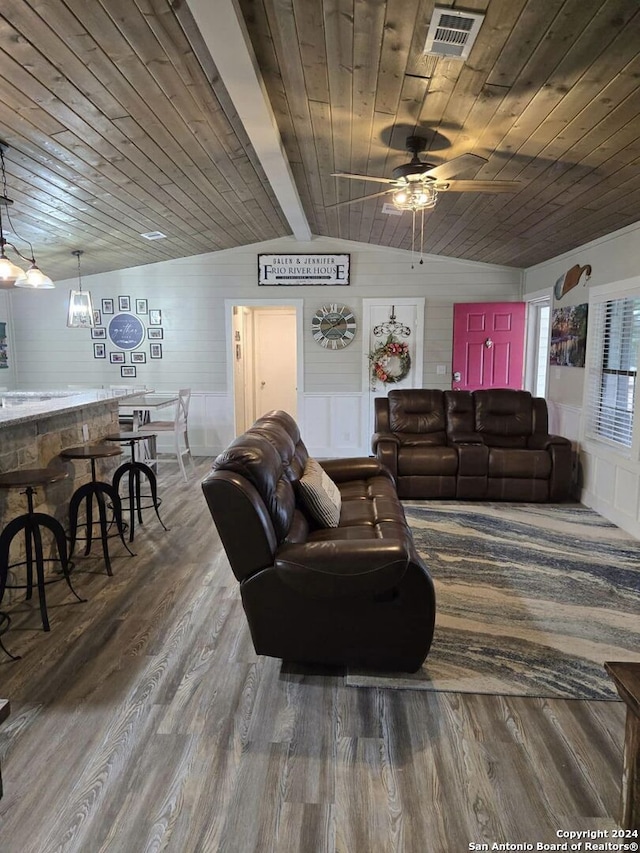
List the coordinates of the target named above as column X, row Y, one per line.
column 9, row 272
column 80, row 310
column 34, row 278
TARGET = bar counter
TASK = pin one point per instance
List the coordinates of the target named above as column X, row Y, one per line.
column 36, row 425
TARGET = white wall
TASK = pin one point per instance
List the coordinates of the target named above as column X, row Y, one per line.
column 191, row 293
column 610, row 482
column 8, row 374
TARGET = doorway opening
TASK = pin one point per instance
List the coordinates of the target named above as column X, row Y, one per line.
column 265, row 358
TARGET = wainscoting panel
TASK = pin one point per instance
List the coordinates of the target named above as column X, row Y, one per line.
column 611, row 486
column 565, row 420
column 331, row 425
column 211, row 426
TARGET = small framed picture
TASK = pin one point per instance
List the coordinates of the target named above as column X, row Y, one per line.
column 124, row 303
column 155, row 334
column 127, row 372
column 116, row 357
column 142, row 306
column 97, row 317
column 99, row 334
column 155, row 350
column 107, row 306
column 99, row 351
column 155, row 317
column 138, row 358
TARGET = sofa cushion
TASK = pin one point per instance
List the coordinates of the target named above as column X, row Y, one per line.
column 427, row 461
column 418, row 411
column 523, row 464
column 504, row 416
column 254, row 457
column 319, row 495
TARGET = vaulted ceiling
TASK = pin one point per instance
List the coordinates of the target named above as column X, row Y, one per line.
column 220, row 124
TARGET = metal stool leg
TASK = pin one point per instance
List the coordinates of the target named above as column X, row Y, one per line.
column 31, row 523
column 98, row 490
column 135, row 471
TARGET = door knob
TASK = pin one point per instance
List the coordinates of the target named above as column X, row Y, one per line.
column 457, row 376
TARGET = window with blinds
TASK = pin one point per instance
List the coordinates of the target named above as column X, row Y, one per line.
column 612, row 378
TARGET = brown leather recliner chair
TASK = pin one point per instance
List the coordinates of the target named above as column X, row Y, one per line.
column 357, row 594
column 411, row 441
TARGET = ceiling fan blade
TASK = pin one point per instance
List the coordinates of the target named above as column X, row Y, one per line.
column 362, row 198
column 456, row 166
column 482, row 187
column 362, row 178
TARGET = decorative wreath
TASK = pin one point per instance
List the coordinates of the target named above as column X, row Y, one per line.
column 390, row 362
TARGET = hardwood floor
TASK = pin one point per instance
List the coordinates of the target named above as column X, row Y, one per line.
column 145, row 721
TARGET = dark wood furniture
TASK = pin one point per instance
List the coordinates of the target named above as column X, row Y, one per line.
column 626, row 677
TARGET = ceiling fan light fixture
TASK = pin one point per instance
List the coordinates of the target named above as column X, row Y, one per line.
column 416, row 196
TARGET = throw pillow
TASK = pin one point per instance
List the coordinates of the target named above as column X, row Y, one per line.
column 320, row 495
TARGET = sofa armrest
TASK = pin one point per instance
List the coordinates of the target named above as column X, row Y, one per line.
column 544, row 442
column 353, row 468
column 330, row 568
column 378, row 437
column 385, row 445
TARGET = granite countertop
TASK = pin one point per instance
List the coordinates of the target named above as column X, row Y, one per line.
column 19, row 407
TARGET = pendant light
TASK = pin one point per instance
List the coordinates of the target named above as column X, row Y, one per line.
column 80, row 314
column 12, row 275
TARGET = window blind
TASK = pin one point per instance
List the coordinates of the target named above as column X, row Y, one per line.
column 615, row 334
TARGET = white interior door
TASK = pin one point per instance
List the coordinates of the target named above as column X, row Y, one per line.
column 378, row 324
column 274, row 360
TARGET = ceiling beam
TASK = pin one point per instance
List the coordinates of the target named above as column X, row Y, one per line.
column 224, row 34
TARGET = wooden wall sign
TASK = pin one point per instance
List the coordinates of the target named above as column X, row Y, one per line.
column 287, row 269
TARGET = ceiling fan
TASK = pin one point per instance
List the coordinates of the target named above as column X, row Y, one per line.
column 415, row 185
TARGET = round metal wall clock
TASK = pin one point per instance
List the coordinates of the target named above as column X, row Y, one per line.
column 333, row 326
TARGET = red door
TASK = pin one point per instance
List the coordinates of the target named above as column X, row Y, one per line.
column 488, row 345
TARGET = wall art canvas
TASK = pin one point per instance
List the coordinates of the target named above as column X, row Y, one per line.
column 569, row 336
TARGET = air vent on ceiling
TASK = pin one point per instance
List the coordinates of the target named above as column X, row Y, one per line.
column 452, row 33
column 391, row 209
column 154, row 235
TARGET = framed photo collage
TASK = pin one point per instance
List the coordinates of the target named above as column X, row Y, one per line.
column 127, row 331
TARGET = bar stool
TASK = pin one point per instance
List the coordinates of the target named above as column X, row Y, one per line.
column 134, row 471
column 99, row 490
column 32, row 523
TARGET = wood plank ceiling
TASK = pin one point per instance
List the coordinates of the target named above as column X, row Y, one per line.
column 118, row 124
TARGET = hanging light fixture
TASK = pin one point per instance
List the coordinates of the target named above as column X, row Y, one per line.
column 12, row 275
column 80, row 314
column 419, row 194
column 416, row 195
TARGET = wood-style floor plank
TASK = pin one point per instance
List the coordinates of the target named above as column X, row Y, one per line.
column 144, row 721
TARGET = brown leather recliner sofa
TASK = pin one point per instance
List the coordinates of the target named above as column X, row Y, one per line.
column 471, row 445
column 356, row 594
